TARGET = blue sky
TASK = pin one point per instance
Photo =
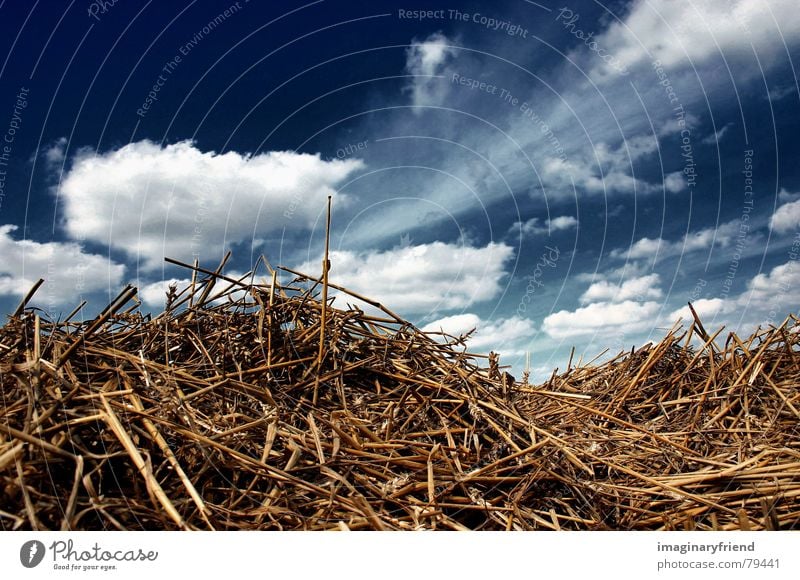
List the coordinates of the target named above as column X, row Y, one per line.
column 550, row 174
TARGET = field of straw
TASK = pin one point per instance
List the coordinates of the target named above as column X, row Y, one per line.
column 251, row 405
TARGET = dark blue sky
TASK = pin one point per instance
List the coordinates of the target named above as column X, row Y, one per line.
column 554, row 174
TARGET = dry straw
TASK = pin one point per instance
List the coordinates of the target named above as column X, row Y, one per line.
column 226, row 411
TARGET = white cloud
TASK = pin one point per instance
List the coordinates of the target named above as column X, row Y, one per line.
column 151, row 201
column 786, row 217
column 691, row 242
column 643, row 248
column 631, row 149
column 68, row 271
column 426, row 59
column 777, row 93
column 640, row 289
column 599, row 143
column 155, row 293
column 422, row 278
column 54, row 154
column 564, row 222
column 778, row 290
column 455, row 325
column 785, row 196
column 528, row 228
column 619, row 318
column 705, row 307
column 625, row 271
column 620, row 311
column 768, row 299
column 586, row 175
column 507, row 336
column 674, row 182
column 715, row 138
column 533, row 226
column 679, row 32
column 604, row 168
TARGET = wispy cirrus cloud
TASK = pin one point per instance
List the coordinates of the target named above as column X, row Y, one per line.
column 686, row 34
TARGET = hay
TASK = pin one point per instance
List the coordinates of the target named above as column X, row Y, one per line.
column 226, row 411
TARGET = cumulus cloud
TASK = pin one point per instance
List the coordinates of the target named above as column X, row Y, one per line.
column 612, row 309
column 647, row 248
column 455, row 325
column 705, row 307
column 564, row 222
column 426, row 59
column 769, row 297
column 150, row 201
column 606, row 317
column 640, row 289
column 528, row 228
column 636, row 306
column 684, row 33
column 786, row 218
column 422, row 278
column 534, row 226
column 508, row 336
column 674, row 182
column 155, row 293
column 778, row 290
column 68, row 271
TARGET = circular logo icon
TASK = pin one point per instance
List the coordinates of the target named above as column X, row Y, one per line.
column 31, row 553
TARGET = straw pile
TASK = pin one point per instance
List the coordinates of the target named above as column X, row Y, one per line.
column 227, row 411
